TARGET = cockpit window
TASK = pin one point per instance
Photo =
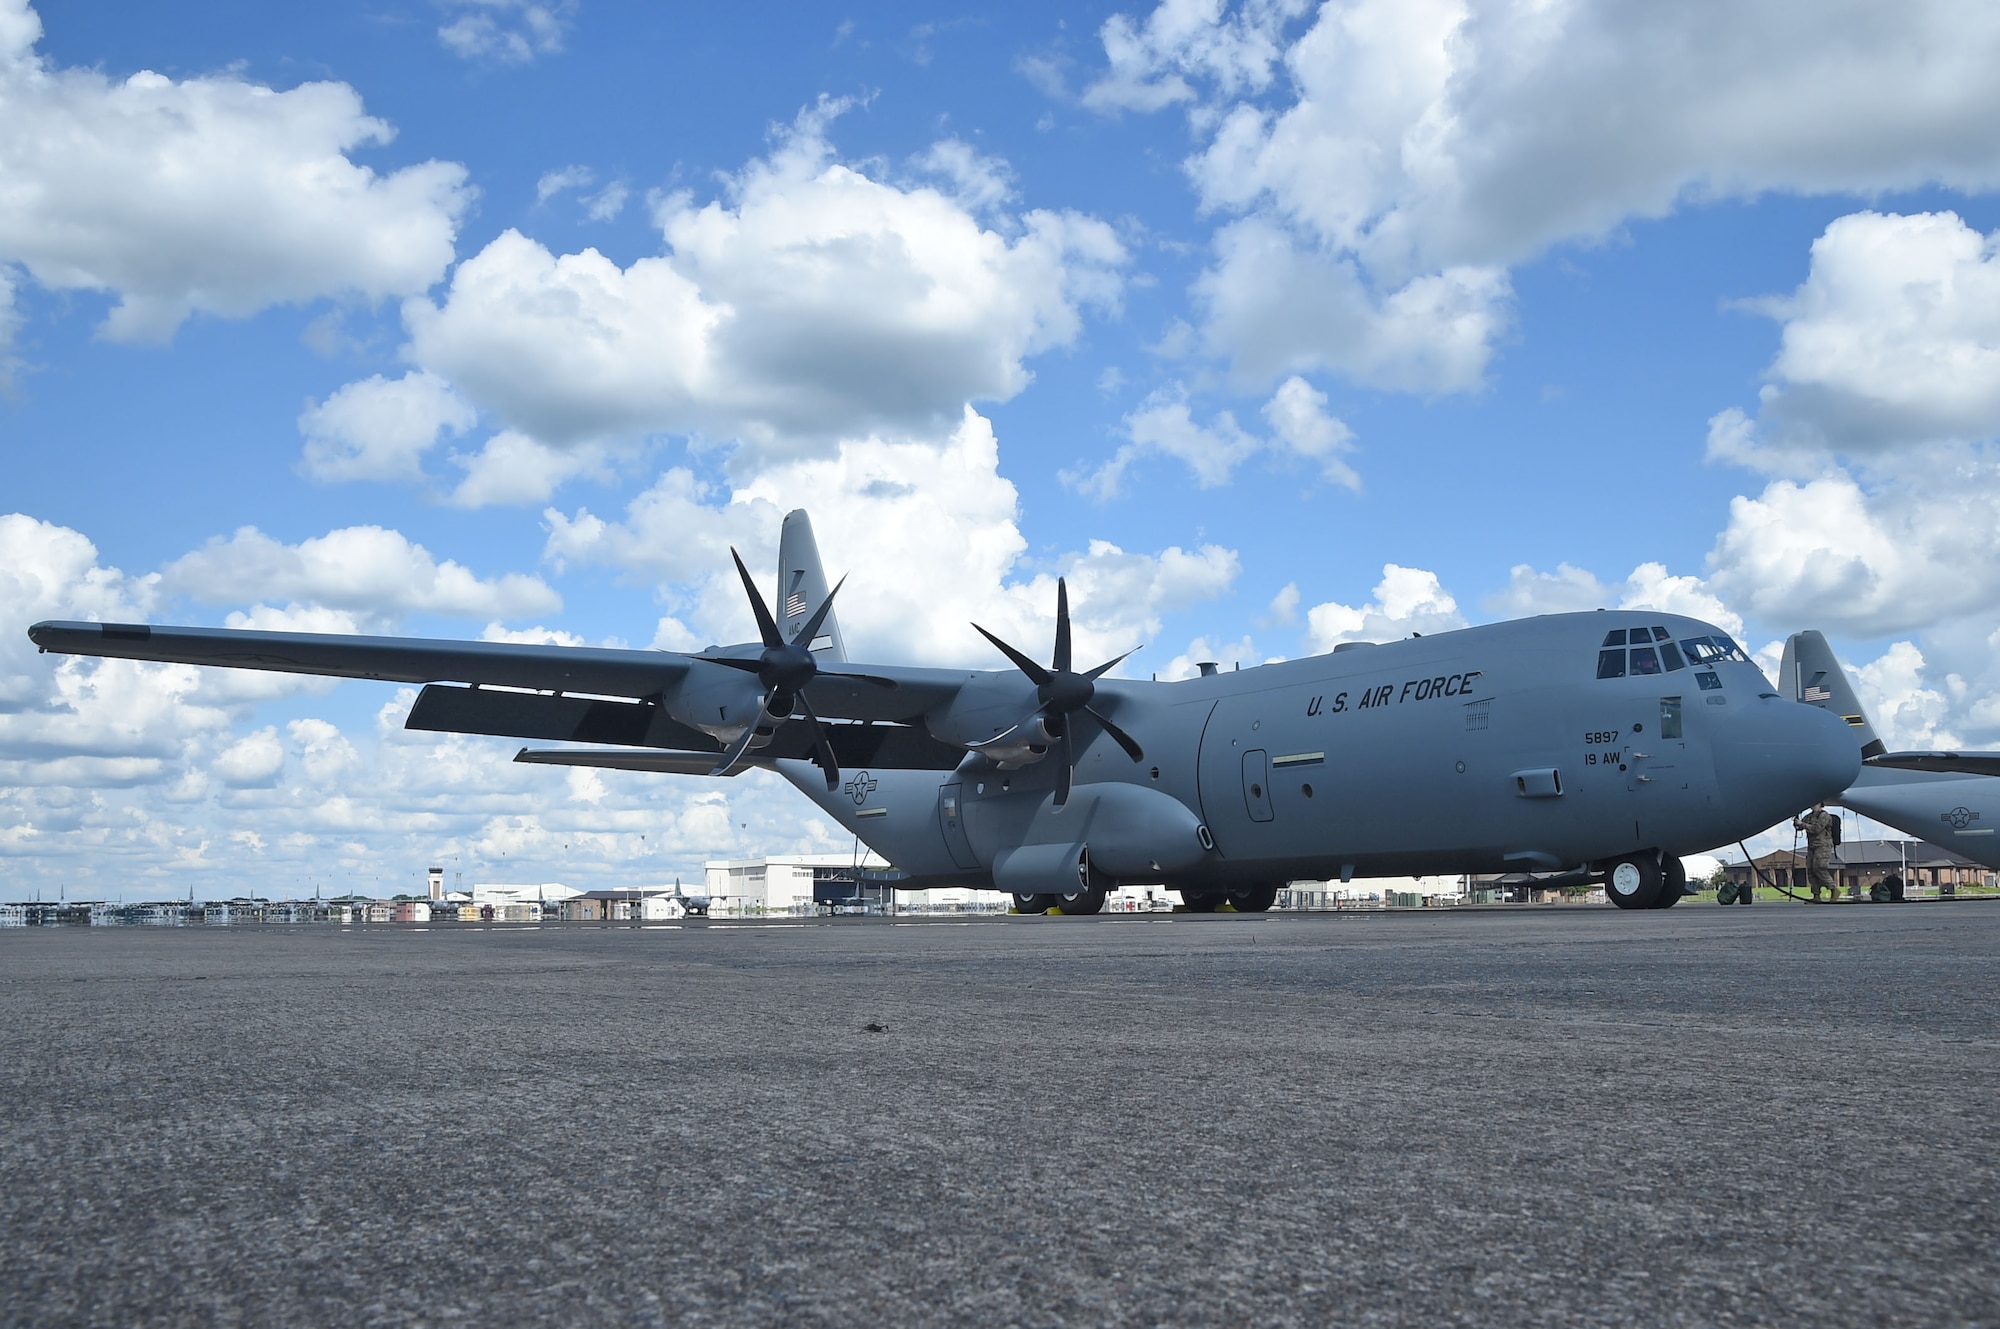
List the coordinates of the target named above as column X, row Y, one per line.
column 1661, row 634
column 1615, row 637
column 1730, row 650
column 1645, row 660
column 1701, row 650
column 1611, row 663
column 1670, row 655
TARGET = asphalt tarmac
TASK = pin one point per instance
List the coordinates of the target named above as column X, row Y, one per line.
column 1559, row 1116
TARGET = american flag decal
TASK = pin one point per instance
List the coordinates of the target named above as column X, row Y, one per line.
column 1817, row 693
column 795, row 604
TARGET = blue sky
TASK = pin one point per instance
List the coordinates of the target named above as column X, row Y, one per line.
column 1268, row 325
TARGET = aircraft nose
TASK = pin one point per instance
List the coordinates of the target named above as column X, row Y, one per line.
column 1774, row 757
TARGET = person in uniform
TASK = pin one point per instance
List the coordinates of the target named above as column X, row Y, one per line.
column 1822, row 830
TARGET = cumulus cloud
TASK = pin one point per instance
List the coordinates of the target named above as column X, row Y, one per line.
column 1892, row 341
column 1165, row 426
column 379, row 429
column 209, row 194
column 1572, row 589
column 508, row 32
column 1879, row 418
column 251, row 761
column 1412, row 138
column 925, row 560
column 1406, row 600
column 372, row 575
column 811, row 303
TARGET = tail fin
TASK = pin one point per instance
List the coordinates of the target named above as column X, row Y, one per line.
column 1810, row 674
column 802, row 586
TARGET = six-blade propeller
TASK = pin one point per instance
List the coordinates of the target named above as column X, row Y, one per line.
column 784, row 668
column 1062, row 693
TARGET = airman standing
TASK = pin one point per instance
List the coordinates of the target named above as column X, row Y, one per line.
column 1822, row 830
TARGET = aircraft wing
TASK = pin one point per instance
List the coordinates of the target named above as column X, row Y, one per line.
column 599, row 671
column 1951, row 763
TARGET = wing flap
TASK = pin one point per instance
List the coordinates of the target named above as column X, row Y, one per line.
column 445, row 709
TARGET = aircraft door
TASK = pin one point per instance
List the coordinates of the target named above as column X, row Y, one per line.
column 951, row 820
column 1257, row 784
column 1650, row 756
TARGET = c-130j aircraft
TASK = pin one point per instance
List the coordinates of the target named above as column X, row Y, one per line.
column 1603, row 744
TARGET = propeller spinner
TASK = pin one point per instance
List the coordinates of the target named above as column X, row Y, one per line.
column 1063, row 693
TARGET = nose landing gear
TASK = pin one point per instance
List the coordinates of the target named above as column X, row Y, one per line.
column 1651, row 880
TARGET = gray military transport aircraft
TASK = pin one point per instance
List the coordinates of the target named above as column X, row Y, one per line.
column 1948, row 798
column 1604, row 745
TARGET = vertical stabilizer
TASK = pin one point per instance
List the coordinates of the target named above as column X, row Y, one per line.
column 1810, row 674
column 802, row 586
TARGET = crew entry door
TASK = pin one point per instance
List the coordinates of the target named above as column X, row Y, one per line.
column 1257, row 784
column 951, row 821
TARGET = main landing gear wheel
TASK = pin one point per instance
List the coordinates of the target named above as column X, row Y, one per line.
column 1673, row 881
column 1201, row 904
column 1635, row 882
column 1256, row 900
column 1033, row 904
column 1087, row 901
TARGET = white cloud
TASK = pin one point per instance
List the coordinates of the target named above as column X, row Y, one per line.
column 1892, row 341
column 814, row 303
column 1571, row 589
column 513, row 468
column 208, row 194
column 1908, row 712
column 926, row 559
column 607, row 202
column 379, row 429
column 1827, row 553
column 1223, row 655
column 1299, row 422
column 252, row 761
column 1150, row 63
column 1406, row 600
column 508, row 32
column 1165, row 426
column 374, row 575
column 1414, row 138
column 556, row 182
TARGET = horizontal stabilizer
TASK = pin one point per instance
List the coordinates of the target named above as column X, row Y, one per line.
column 662, row 763
column 1952, row 763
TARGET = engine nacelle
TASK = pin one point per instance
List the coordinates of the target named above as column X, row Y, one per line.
column 720, row 701
column 983, row 709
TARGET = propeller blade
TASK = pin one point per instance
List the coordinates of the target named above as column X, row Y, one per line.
column 1065, row 772
column 1035, row 672
column 1118, row 736
column 811, row 629
column 767, row 627
column 821, row 745
column 1111, row 664
column 736, row 751
column 1062, row 626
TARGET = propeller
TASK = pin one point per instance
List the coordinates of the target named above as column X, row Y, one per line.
column 1061, row 693
column 783, row 668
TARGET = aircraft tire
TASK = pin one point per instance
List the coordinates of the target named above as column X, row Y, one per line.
column 1089, row 901
column 1256, row 900
column 1635, row 882
column 1034, row 904
column 1673, row 882
column 1202, row 904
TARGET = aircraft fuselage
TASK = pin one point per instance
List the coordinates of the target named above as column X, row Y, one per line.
column 1489, row 749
